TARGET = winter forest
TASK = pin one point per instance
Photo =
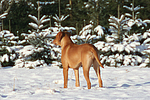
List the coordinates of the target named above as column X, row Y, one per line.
column 120, row 29
column 30, row 64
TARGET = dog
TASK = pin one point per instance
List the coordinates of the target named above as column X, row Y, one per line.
column 73, row 56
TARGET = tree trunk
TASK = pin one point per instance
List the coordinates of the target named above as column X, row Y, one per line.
column 118, row 11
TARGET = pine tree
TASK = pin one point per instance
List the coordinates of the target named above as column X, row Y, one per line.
column 77, row 14
column 18, row 17
column 96, row 11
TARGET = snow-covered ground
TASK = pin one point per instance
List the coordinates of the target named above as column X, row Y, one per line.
column 46, row 83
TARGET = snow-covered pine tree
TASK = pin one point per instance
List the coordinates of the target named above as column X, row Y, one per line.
column 145, row 49
column 120, row 49
column 136, row 24
column 7, row 44
column 120, row 54
column 7, row 39
column 2, row 16
column 89, row 34
column 118, row 27
column 36, row 38
column 35, row 51
column 59, row 20
column 96, row 10
column 5, row 6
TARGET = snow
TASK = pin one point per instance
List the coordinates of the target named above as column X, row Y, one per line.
column 86, row 29
column 62, row 18
column 129, row 8
column 117, row 47
column 131, row 23
column 4, row 58
column 34, row 18
column 147, row 40
column 131, row 83
column 45, row 20
column 146, row 34
column 38, row 25
column 133, row 8
column 33, row 25
column 46, row 3
column 146, row 21
column 137, row 8
column 99, row 30
column 143, row 65
column 3, row 15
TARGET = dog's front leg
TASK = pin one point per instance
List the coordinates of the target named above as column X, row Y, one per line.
column 76, row 72
column 65, row 73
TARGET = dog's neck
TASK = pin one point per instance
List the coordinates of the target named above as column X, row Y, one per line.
column 65, row 41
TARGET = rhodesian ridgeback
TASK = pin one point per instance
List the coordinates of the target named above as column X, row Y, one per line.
column 73, row 56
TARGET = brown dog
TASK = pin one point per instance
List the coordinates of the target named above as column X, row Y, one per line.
column 73, row 56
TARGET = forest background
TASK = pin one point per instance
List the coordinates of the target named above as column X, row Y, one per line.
column 79, row 15
column 120, row 29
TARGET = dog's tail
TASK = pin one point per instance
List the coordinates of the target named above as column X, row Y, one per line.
column 96, row 57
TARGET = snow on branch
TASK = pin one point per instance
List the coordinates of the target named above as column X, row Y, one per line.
column 99, row 30
column 86, row 30
column 39, row 23
column 59, row 20
column 3, row 15
column 133, row 8
column 46, row 3
column 62, row 18
column 119, row 26
column 34, row 18
column 35, row 26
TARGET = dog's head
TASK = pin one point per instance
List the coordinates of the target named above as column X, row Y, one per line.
column 59, row 36
column 57, row 40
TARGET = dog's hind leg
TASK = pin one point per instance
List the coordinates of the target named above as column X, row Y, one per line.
column 86, row 67
column 97, row 70
column 86, row 75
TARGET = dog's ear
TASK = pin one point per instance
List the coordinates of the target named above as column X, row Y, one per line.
column 61, row 35
column 68, row 33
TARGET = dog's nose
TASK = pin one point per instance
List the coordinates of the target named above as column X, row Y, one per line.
column 53, row 41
